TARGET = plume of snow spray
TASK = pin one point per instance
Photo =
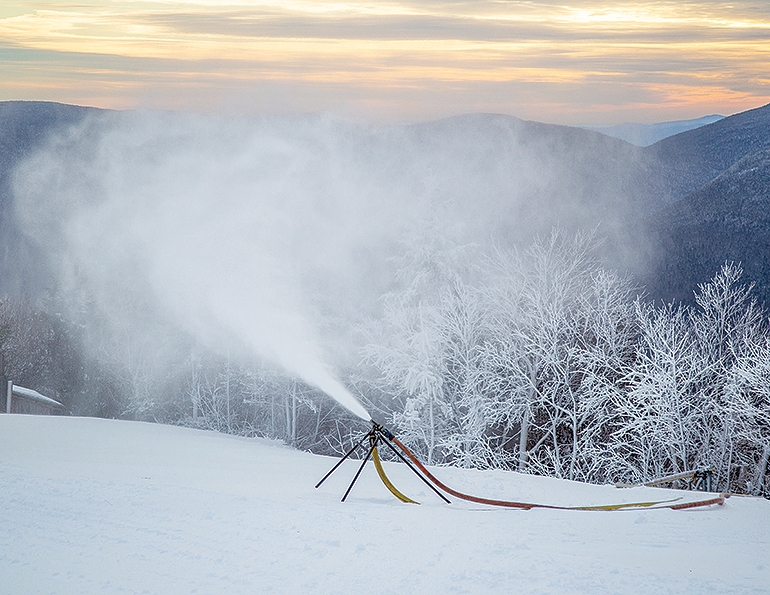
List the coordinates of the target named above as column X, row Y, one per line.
column 272, row 234
column 214, row 225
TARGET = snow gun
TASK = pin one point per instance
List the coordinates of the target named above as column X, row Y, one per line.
column 379, row 436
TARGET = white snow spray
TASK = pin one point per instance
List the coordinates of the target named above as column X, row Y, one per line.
column 219, row 226
column 275, row 236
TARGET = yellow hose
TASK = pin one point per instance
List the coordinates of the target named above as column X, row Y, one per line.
column 386, row 481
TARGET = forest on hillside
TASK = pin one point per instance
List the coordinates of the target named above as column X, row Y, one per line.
column 541, row 361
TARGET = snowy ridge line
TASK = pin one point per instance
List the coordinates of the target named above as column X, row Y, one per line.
column 653, row 505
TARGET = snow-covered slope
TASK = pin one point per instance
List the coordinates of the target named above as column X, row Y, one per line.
column 101, row 506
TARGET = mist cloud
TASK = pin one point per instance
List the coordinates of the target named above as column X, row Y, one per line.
column 269, row 236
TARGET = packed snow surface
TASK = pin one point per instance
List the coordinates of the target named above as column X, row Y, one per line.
column 103, row 506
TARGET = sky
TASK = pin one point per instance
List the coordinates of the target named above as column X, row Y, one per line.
column 558, row 61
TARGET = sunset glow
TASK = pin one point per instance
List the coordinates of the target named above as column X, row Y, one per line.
column 585, row 62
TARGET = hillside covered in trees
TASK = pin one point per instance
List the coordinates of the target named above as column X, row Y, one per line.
column 494, row 290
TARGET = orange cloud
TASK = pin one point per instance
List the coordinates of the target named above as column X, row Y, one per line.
column 363, row 54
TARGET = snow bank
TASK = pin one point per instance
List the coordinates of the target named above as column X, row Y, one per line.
column 102, row 506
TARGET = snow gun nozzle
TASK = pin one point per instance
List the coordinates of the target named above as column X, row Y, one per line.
column 382, row 430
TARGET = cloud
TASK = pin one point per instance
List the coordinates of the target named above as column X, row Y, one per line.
column 371, row 57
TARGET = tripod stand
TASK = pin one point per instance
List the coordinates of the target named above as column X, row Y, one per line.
column 376, row 436
column 380, row 435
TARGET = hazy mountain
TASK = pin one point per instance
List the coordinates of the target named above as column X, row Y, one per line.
column 644, row 135
column 687, row 161
column 717, row 182
column 480, row 178
column 728, row 219
column 24, row 125
column 523, row 178
column 686, row 203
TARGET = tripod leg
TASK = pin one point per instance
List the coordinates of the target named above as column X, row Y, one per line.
column 350, row 452
column 409, row 464
column 361, row 468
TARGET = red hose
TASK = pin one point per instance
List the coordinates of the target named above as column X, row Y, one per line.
column 455, row 493
column 527, row 506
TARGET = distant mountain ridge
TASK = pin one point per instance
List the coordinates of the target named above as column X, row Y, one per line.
column 644, row 135
column 691, row 159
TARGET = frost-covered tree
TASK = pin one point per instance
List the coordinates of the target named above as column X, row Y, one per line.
column 254, row 399
column 661, row 411
column 41, row 351
column 560, row 334
column 750, row 404
column 695, row 394
column 512, row 366
column 732, row 334
column 413, row 346
column 464, row 327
